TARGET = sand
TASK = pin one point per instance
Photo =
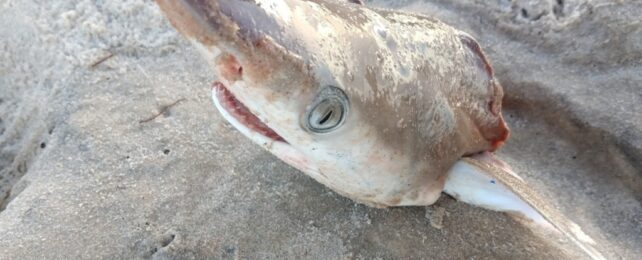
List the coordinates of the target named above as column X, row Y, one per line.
column 82, row 177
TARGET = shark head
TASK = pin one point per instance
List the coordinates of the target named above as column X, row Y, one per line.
column 377, row 105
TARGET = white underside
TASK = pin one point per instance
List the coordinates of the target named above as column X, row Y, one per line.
column 469, row 184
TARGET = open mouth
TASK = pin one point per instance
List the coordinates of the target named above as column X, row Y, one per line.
column 239, row 115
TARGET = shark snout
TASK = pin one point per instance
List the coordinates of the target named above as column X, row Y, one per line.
column 226, row 21
column 241, row 39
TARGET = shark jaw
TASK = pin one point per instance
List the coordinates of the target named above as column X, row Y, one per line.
column 237, row 114
column 240, row 117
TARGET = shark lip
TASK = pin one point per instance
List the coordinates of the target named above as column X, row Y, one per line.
column 240, row 114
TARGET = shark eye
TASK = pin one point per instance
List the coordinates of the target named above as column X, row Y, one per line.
column 328, row 111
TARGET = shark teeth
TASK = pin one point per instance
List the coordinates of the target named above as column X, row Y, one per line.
column 242, row 114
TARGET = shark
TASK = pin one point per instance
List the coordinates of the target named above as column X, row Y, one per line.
column 384, row 107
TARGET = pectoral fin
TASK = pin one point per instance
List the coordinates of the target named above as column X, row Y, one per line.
column 485, row 181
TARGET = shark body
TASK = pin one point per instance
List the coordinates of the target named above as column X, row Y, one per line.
column 383, row 107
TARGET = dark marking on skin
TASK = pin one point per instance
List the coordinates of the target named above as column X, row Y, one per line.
column 371, row 77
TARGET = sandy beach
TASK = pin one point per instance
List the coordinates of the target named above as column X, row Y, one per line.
column 110, row 146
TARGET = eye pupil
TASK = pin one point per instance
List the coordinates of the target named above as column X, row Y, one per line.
column 328, row 110
column 326, row 117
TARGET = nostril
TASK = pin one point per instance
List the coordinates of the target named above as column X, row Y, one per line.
column 229, row 68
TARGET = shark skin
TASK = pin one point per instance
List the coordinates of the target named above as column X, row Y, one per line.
column 386, row 108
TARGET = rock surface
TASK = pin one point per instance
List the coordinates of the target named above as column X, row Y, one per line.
column 86, row 171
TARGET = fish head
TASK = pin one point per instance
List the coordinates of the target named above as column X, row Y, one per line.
column 377, row 105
